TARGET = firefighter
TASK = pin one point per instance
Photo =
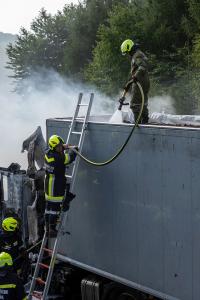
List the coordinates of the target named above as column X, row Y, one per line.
column 11, row 240
column 139, row 72
column 11, row 286
column 57, row 192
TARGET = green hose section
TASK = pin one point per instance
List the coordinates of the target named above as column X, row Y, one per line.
column 101, row 164
column 28, row 250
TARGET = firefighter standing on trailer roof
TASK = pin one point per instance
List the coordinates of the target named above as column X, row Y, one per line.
column 11, row 240
column 11, row 287
column 139, row 72
column 57, row 192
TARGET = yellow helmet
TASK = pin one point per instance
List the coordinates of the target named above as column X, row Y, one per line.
column 127, row 46
column 5, row 260
column 10, row 224
column 54, row 141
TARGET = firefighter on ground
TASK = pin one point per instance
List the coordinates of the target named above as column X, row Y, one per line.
column 139, row 72
column 11, row 287
column 11, row 241
column 57, row 193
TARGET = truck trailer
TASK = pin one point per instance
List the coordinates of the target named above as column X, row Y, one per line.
column 135, row 223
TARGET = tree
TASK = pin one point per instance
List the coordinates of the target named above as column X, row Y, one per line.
column 62, row 42
column 83, row 42
column 109, row 70
column 156, row 25
column 83, row 31
column 42, row 47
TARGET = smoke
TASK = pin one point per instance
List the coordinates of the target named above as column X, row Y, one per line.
column 46, row 98
column 162, row 104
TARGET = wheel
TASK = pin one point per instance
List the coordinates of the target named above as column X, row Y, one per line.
column 113, row 291
column 127, row 296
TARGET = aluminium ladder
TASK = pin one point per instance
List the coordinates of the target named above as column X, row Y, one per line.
column 63, row 216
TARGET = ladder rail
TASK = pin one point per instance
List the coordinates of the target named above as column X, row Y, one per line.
column 81, row 140
column 74, row 117
column 37, row 267
column 53, row 258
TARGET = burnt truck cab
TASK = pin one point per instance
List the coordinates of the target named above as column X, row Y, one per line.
column 15, row 195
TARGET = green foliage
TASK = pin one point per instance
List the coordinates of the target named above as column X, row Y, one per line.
column 83, row 24
column 83, row 42
column 163, row 30
column 43, row 47
column 82, row 34
column 109, row 69
column 196, row 51
column 143, row 23
column 63, row 42
column 194, row 13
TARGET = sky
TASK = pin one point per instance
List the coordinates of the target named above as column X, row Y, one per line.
column 15, row 14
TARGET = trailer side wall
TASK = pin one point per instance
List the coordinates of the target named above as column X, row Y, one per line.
column 139, row 217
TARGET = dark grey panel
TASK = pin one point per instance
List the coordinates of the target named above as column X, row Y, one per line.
column 139, row 217
column 177, row 216
column 150, row 214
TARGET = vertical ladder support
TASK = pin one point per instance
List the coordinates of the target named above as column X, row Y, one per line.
column 75, row 115
column 37, row 267
column 81, row 140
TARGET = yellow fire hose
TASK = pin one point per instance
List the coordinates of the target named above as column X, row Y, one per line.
column 104, row 163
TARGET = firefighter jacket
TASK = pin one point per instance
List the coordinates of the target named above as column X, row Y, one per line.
column 11, row 287
column 55, row 179
column 11, row 242
column 139, row 62
column 139, row 69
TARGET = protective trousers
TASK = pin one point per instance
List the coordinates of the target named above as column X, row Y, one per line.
column 136, row 102
column 145, row 113
column 52, row 213
column 53, row 209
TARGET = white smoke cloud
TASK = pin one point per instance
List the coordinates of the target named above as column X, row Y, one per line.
column 20, row 115
column 162, row 104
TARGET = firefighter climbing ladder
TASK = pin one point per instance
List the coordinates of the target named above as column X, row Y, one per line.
column 42, row 294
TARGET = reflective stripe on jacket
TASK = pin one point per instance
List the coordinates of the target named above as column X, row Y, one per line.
column 10, row 242
column 11, row 287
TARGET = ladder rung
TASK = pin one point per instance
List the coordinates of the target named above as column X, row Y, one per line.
column 44, row 265
column 68, row 176
column 40, row 281
column 76, row 132
column 79, row 119
column 37, row 295
column 82, row 104
column 48, row 250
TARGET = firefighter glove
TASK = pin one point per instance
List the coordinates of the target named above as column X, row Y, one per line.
column 134, row 78
column 121, row 100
